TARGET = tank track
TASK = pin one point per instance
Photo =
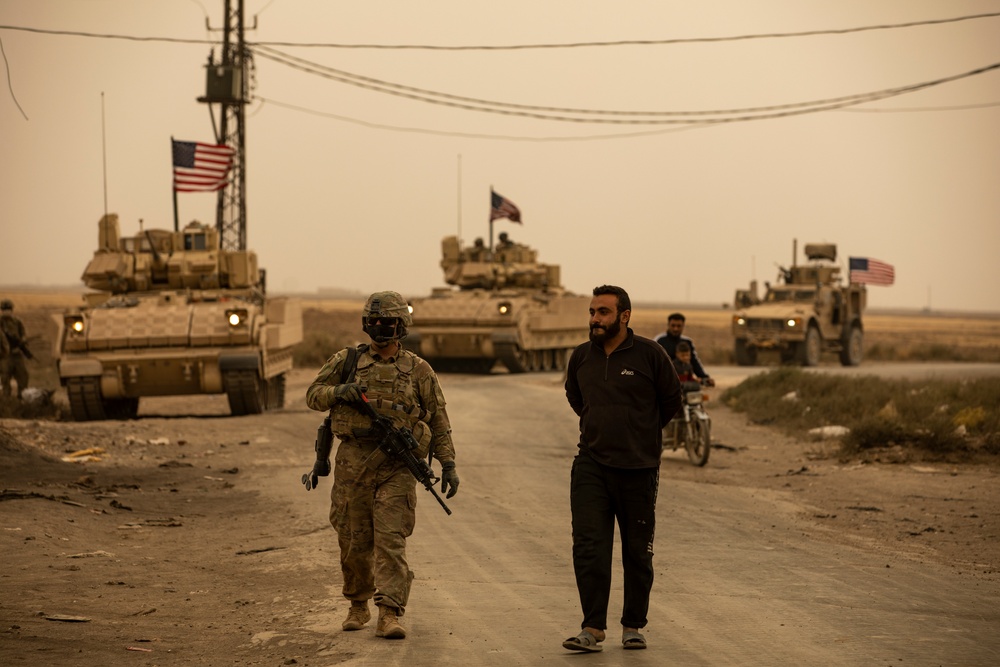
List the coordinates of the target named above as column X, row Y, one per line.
column 518, row 360
column 87, row 404
column 245, row 391
column 276, row 392
column 84, row 395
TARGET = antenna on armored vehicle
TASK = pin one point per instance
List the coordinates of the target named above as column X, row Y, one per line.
column 227, row 83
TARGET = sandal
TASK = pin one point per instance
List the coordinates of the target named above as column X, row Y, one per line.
column 583, row 642
column 633, row 640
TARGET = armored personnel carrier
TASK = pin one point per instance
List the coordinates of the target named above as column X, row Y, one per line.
column 809, row 312
column 174, row 314
column 502, row 305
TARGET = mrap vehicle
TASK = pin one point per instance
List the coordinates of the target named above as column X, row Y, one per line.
column 809, row 312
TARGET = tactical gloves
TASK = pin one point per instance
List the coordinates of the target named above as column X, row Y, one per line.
column 348, row 393
column 320, row 469
column 449, row 479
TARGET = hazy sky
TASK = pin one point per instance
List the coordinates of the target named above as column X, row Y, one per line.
column 359, row 193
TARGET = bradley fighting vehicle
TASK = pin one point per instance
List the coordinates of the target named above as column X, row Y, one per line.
column 809, row 312
column 174, row 315
column 503, row 305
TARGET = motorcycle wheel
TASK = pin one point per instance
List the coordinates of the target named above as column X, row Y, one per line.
column 700, row 443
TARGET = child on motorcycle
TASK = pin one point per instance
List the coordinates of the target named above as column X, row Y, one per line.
column 685, row 371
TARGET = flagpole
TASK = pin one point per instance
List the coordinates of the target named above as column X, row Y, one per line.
column 459, row 200
column 104, row 157
column 491, row 219
column 176, row 226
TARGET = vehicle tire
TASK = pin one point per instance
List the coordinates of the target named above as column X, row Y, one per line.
column 853, row 349
column 745, row 354
column 670, row 434
column 699, row 445
column 811, row 348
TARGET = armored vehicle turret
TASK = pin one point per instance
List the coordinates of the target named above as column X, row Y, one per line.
column 807, row 313
column 174, row 314
column 502, row 304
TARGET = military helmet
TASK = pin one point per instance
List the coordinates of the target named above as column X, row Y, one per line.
column 6, row 304
column 386, row 305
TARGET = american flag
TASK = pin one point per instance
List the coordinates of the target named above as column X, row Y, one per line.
column 200, row 167
column 501, row 207
column 865, row 270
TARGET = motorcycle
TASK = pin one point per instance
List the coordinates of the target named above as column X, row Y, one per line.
column 692, row 427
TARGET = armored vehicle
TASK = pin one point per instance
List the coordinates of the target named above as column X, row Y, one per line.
column 502, row 305
column 174, row 314
column 809, row 312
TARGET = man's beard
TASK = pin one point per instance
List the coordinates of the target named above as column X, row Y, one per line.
column 608, row 334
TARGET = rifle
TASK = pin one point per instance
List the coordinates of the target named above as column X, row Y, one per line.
column 398, row 443
column 393, row 442
column 324, row 443
column 20, row 345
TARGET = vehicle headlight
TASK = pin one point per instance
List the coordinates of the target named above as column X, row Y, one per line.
column 739, row 320
column 792, row 322
column 74, row 323
column 504, row 308
column 236, row 316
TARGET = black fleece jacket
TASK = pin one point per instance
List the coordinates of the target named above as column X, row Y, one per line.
column 623, row 399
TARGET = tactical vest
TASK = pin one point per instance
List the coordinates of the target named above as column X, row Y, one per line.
column 392, row 391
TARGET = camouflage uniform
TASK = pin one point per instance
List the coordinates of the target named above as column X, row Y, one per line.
column 373, row 510
column 12, row 364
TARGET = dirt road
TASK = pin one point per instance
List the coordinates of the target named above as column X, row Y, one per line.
column 206, row 549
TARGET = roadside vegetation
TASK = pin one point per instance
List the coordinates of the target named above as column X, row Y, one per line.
column 919, row 420
column 324, row 333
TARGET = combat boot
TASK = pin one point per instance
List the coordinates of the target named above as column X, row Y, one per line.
column 388, row 624
column 357, row 616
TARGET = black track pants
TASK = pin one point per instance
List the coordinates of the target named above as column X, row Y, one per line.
column 599, row 495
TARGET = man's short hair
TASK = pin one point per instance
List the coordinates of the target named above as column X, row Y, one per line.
column 683, row 346
column 675, row 316
column 624, row 303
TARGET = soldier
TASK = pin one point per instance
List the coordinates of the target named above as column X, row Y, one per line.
column 373, row 509
column 15, row 339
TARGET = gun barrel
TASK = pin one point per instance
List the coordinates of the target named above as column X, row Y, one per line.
column 399, row 443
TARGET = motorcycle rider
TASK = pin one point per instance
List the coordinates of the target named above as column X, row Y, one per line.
column 670, row 339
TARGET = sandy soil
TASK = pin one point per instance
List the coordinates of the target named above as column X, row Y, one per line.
column 186, row 538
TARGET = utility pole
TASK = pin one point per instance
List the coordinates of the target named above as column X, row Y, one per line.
column 228, row 84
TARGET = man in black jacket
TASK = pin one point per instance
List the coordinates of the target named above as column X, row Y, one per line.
column 625, row 390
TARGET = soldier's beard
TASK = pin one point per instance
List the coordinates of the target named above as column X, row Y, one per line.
column 604, row 334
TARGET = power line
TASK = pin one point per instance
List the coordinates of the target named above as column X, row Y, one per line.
column 639, row 42
column 954, row 107
column 552, row 113
column 377, row 84
column 514, row 47
column 10, row 86
column 693, row 125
